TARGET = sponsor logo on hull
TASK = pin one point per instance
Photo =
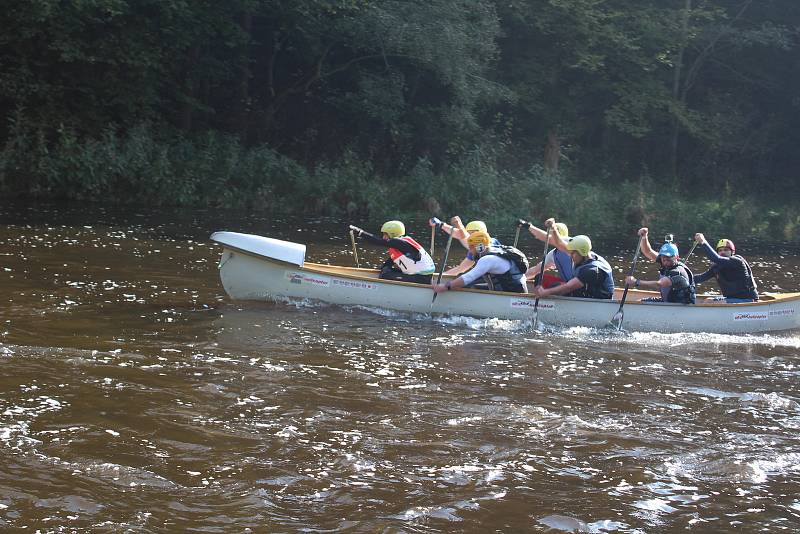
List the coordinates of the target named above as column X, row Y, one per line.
column 781, row 313
column 354, row 284
column 751, row 316
column 529, row 303
column 308, row 279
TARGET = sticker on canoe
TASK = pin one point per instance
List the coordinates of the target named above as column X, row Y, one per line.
column 303, row 278
column 354, row 284
column 528, row 303
column 781, row 313
column 751, row 316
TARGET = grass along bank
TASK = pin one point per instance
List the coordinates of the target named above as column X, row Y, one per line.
column 144, row 165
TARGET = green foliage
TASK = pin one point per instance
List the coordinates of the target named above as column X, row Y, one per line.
column 360, row 106
column 143, row 166
column 146, row 165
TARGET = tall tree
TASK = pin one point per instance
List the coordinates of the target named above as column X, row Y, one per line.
column 389, row 67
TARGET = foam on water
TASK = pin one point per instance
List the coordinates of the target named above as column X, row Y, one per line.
column 771, row 401
column 592, row 334
column 582, row 333
column 300, row 302
column 678, row 339
column 386, row 312
column 473, row 323
column 723, row 465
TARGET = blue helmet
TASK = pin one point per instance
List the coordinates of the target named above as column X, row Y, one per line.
column 668, row 250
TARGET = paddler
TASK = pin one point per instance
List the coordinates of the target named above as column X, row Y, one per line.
column 592, row 275
column 558, row 258
column 676, row 281
column 457, row 229
column 408, row 261
column 733, row 273
column 502, row 267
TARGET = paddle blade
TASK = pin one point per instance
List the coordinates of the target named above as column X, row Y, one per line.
column 616, row 321
column 535, row 313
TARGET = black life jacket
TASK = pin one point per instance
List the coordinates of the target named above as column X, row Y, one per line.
column 512, row 280
column 682, row 289
column 737, row 281
column 599, row 283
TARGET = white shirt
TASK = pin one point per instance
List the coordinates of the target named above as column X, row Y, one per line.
column 487, row 264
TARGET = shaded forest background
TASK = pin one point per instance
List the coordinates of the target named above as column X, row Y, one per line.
column 601, row 112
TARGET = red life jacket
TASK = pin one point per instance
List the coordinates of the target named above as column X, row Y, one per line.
column 407, row 265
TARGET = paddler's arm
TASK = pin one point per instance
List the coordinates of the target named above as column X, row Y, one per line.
column 549, row 263
column 466, row 263
column 451, row 284
column 480, row 269
column 664, row 281
column 459, row 232
column 573, row 285
column 401, row 245
column 464, row 266
column 647, row 250
column 531, row 273
column 555, row 238
column 541, row 235
column 700, row 278
column 371, row 239
column 711, row 254
column 538, row 233
column 453, row 229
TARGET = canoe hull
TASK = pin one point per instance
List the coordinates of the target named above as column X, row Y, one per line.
column 249, row 276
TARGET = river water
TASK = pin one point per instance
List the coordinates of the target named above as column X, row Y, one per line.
column 136, row 397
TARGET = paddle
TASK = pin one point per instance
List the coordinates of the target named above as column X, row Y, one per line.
column 689, row 255
column 444, row 263
column 353, row 241
column 620, row 314
column 516, row 237
column 433, row 238
column 541, row 276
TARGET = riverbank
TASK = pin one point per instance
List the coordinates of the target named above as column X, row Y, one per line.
column 214, row 170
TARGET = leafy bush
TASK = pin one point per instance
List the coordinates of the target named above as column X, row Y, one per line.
column 154, row 166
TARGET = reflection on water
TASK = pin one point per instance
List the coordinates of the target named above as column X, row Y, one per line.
column 136, row 396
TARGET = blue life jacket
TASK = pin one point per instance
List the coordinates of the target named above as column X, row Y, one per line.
column 682, row 289
column 564, row 265
column 599, row 283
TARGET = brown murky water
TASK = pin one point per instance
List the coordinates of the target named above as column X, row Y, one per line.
column 136, row 397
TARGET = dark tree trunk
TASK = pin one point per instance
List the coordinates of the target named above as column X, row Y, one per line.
column 677, row 94
column 552, row 151
column 242, row 113
column 186, row 109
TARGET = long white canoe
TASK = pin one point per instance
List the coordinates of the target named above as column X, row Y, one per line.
column 261, row 268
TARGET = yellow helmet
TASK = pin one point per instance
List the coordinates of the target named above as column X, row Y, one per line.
column 580, row 244
column 393, row 228
column 479, row 239
column 561, row 229
column 476, row 226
